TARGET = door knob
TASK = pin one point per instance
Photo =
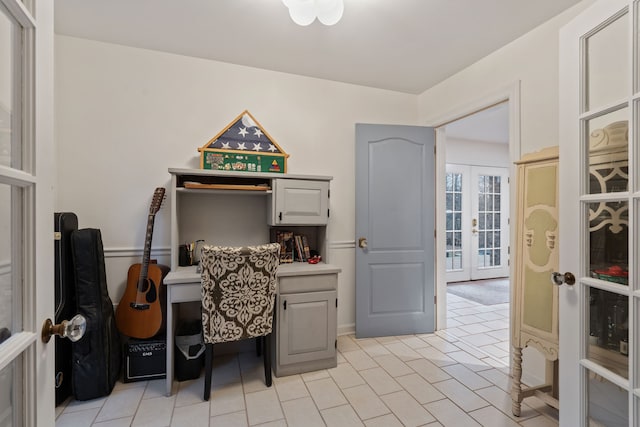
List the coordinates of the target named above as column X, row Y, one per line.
column 559, row 278
column 73, row 329
column 362, row 242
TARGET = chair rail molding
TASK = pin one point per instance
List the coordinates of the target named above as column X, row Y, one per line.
column 342, row 244
column 135, row 252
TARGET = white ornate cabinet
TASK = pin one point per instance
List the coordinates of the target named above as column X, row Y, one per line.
column 535, row 298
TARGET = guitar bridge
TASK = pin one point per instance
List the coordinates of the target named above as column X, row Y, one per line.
column 137, row 306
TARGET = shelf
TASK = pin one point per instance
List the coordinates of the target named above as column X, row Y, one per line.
column 244, row 175
column 221, row 191
column 241, row 187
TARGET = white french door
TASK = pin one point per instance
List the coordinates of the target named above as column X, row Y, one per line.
column 26, row 212
column 477, row 222
column 599, row 207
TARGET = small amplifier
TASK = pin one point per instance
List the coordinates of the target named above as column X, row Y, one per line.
column 144, row 360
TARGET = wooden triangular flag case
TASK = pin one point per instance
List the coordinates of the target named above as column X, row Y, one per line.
column 244, row 145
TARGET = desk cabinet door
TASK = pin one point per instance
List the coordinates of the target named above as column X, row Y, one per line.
column 300, row 202
column 307, row 326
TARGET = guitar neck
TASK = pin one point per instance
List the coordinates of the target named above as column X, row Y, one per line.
column 146, row 256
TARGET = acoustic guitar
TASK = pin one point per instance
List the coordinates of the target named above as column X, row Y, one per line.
column 140, row 313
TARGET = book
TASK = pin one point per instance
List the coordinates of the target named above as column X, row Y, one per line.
column 299, row 248
column 305, row 247
column 287, row 247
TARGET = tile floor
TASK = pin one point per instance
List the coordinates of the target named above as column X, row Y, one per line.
column 454, row 377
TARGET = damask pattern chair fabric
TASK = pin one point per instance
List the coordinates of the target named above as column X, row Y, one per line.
column 238, row 297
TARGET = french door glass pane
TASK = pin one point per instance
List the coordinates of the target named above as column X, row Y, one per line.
column 609, row 153
column 454, row 260
column 7, row 76
column 7, row 267
column 488, row 221
column 609, row 241
column 609, row 330
column 607, row 64
column 453, row 195
column 608, row 404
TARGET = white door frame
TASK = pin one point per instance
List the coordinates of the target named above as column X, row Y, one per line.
column 45, row 202
column 34, row 376
column 511, row 94
column 571, row 321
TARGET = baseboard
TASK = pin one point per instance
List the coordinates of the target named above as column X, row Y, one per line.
column 348, row 329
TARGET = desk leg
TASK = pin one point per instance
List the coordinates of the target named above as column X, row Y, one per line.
column 170, row 331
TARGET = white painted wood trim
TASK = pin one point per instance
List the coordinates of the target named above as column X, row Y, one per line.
column 16, row 177
column 16, row 345
column 342, row 244
column 128, row 252
column 348, row 329
column 134, row 252
column 5, row 268
column 572, row 383
column 441, row 218
column 510, row 93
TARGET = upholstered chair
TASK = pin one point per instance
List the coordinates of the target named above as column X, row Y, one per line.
column 238, row 296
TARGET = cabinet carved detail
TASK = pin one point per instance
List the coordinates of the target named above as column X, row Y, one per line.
column 551, row 352
column 535, row 320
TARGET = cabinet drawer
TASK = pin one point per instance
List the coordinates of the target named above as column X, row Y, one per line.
column 307, row 283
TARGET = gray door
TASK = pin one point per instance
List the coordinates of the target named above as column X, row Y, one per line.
column 395, row 211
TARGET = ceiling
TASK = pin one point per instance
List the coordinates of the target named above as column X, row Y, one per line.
column 399, row 45
column 489, row 125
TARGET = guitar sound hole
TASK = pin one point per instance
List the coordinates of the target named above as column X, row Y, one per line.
column 143, row 285
column 151, row 295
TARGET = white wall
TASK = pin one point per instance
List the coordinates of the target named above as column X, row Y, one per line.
column 533, row 60
column 125, row 115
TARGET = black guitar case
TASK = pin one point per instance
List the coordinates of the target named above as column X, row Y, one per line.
column 65, row 298
column 96, row 356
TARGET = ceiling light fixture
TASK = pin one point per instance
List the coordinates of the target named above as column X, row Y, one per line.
column 304, row 12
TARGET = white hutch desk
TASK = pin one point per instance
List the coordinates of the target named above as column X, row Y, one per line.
column 240, row 208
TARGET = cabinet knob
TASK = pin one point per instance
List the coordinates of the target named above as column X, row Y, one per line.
column 362, row 242
column 559, row 278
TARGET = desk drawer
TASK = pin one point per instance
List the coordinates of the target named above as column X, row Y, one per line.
column 307, row 283
column 184, row 292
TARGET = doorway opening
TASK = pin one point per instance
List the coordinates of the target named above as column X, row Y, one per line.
column 476, row 249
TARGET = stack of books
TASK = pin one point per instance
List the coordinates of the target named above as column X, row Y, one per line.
column 293, row 247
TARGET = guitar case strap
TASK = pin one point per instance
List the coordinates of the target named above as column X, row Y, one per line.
column 96, row 356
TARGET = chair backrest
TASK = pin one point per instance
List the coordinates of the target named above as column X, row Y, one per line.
column 238, row 291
